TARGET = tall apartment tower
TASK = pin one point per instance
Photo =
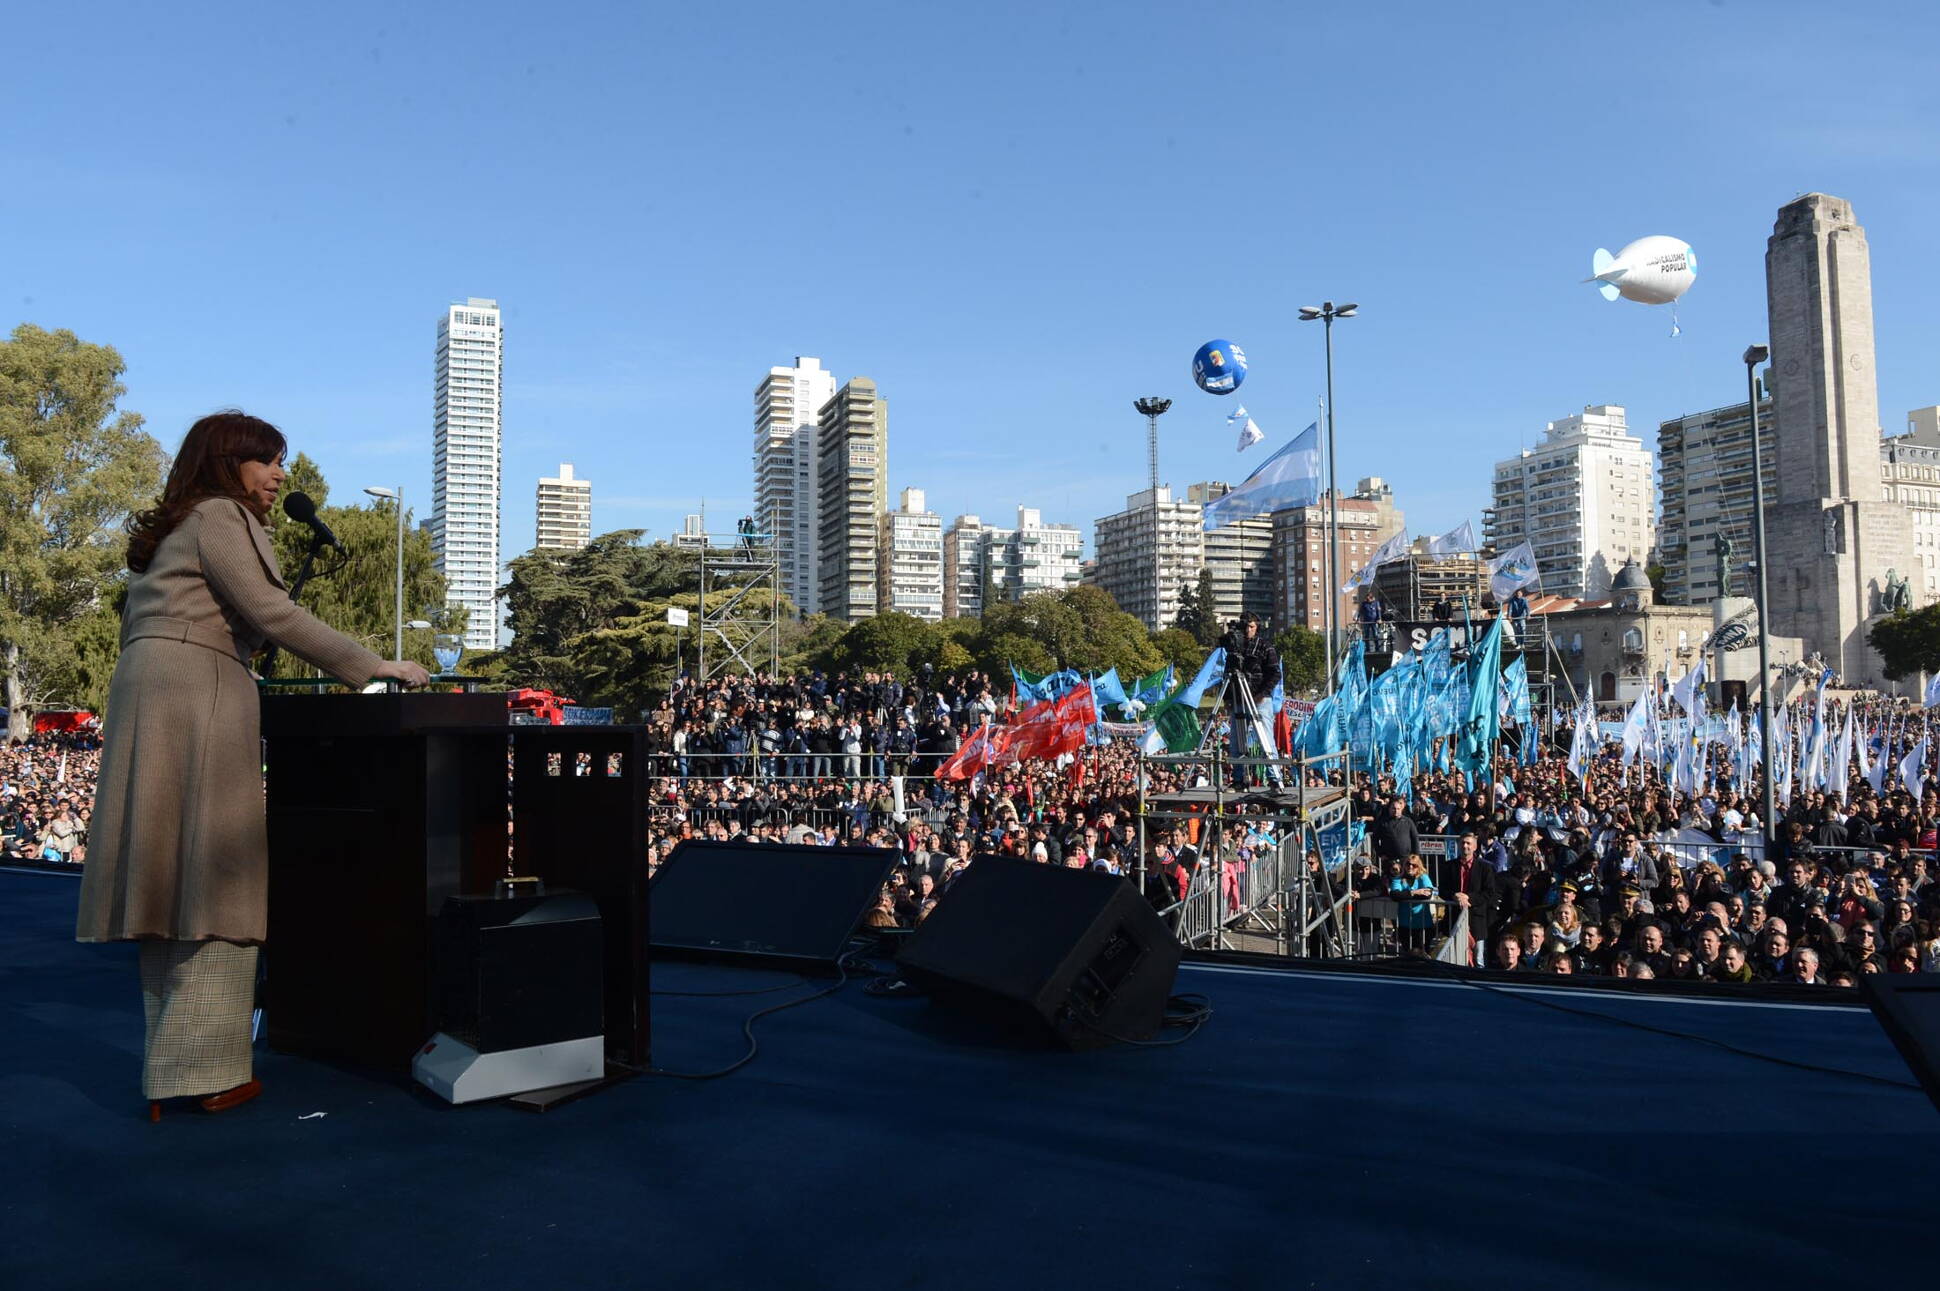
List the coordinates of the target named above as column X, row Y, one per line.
column 1704, row 468
column 852, row 477
column 963, row 568
column 1583, row 498
column 465, row 460
column 1125, row 545
column 1832, row 536
column 786, row 472
column 1239, row 557
column 910, row 560
column 564, row 510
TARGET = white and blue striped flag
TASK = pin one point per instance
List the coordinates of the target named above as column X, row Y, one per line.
column 1289, row 478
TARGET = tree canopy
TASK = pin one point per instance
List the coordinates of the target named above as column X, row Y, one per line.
column 72, row 468
column 355, row 590
column 1908, row 641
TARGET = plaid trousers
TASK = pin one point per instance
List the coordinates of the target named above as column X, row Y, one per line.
column 197, row 997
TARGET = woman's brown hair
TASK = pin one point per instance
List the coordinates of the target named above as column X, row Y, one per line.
column 208, row 465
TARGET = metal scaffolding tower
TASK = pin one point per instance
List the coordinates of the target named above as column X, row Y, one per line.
column 740, row 602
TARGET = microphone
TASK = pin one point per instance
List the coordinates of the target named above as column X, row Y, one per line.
column 299, row 507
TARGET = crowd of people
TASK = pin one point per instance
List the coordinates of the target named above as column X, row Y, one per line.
column 1612, row 873
column 47, row 797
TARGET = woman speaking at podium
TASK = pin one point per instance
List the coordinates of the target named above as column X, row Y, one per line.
column 179, row 855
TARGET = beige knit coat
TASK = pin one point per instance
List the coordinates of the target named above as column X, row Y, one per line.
column 178, row 847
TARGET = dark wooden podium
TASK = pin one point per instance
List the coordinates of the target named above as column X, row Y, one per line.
column 382, row 806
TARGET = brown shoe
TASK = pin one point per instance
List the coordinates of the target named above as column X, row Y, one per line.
column 229, row 1098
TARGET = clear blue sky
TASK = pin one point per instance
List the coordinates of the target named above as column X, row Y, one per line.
column 1015, row 217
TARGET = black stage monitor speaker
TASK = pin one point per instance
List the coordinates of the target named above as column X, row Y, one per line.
column 1075, row 953
column 780, row 901
column 1908, row 1008
column 515, row 972
column 518, row 1005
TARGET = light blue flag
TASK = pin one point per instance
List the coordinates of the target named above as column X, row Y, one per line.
column 1289, row 478
column 1211, row 673
column 1481, row 721
column 1320, row 734
column 1030, row 692
column 1063, row 682
column 1107, row 689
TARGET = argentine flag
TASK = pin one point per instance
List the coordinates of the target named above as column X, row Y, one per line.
column 1289, row 478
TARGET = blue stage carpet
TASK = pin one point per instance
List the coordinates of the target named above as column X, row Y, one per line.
column 1322, row 1131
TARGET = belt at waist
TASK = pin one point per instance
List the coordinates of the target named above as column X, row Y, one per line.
column 202, row 634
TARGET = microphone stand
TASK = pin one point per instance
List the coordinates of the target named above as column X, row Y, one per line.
column 296, row 591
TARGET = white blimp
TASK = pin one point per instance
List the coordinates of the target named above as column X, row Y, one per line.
column 1653, row 271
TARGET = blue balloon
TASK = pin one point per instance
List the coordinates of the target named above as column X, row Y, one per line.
column 1219, row 367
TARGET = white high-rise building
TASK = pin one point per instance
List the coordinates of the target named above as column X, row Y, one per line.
column 1125, row 546
column 466, row 432
column 1239, row 558
column 565, row 511
column 786, row 472
column 910, row 560
column 1584, row 498
column 1034, row 557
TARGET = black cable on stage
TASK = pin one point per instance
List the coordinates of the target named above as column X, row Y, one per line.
column 747, row 1025
column 1674, row 1034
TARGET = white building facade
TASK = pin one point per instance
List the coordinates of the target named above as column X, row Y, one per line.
column 1030, row 558
column 467, row 430
column 564, row 511
column 786, row 473
column 910, row 560
column 1125, row 545
column 1584, row 498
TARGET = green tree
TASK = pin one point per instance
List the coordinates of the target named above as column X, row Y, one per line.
column 553, row 599
column 885, row 643
column 1908, row 641
column 988, row 593
column 1303, row 657
column 1199, row 612
column 355, row 590
column 71, row 470
column 1180, row 649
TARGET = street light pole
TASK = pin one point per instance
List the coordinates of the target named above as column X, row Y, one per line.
column 1153, row 408
column 1755, row 355
column 397, row 496
column 1327, row 312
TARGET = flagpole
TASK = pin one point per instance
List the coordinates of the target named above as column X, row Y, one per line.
column 1754, row 355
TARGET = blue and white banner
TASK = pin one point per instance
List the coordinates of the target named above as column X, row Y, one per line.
column 1289, row 478
column 1455, row 542
column 1514, row 570
column 1391, row 550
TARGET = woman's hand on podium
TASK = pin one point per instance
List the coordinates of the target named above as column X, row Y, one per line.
column 412, row 675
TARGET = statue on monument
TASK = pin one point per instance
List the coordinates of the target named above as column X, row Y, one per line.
column 1721, row 546
column 1896, row 595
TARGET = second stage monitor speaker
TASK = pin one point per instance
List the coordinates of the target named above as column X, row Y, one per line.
column 778, row 901
column 1077, row 956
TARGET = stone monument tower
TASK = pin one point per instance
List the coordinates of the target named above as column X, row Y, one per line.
column 1830, row 536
